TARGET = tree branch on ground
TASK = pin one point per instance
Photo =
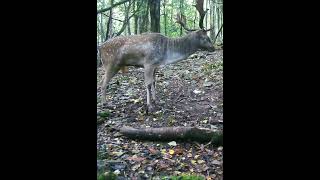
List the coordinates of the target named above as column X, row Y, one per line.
column 173, row 133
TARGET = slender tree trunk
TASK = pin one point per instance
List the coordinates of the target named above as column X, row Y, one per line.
column 127, row 21
column 101, row 29
column 128, row 25
column 207, row 1
column 221, row 20
column 165, row 17
column 216, row 26
column 195, row 17
column 135, row 18
column 182, row 14
column 110, row 23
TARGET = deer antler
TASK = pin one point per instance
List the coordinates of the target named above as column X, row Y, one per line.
column 181, row 19
column 199, row 7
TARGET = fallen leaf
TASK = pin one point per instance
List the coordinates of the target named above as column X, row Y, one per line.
column 162, row 165
column 120, row 153
column 207, row 84
column 172, row 143
column 163, row 151
column 179, row 151
column 117, row 172
column 196, row 156
column 167, row 156
column 189, row 155
column 135, row 167
column 196, row 91
column 171, row 151
column 135, row 158
column 200, row 161
column 153, row 151
column 216, row 162
column 117, row 134
column 193, row 162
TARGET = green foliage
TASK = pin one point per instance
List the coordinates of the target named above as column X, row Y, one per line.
column 172, row 7
column 208, row 68
column 107, row 176
column 104, row 114
column 102, row 154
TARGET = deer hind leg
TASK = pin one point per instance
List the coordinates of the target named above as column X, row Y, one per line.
column 153, row 86
column 110, row 71
column 149, row 81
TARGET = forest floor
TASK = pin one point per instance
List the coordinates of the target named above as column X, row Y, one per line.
column 189, row 93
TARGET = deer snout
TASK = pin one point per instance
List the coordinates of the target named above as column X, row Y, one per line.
column 211, row 48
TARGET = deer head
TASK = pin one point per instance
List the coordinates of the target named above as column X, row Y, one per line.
column 199, row 36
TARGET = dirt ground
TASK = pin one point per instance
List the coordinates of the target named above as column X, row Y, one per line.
column 189, row 93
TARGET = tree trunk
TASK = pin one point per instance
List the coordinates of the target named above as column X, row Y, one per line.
column 207, row 1
column 174, row 133
column 101, row 29
column 215, row 19
column 165, row 17
column 109, row 26
column 155, row 15
column 127, row 20
column 211, row 20
column 195, row 17
column 144, row 18
column 128, row 25
column 135, row 18
column 182, row 14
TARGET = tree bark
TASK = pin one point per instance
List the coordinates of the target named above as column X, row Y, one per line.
column 144, row 17
column 173, row 133
column 207, row 1
column 137, row 4
column 182, row 15
column 165, row 17
column 195, row 17
column 155, row 15
column 110, row 24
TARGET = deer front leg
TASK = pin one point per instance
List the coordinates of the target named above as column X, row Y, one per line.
column 109, row 73
column 149, row 82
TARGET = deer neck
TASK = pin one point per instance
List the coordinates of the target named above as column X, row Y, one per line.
column 179, row 49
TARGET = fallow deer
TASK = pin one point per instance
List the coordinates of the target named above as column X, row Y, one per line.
column 150, row 51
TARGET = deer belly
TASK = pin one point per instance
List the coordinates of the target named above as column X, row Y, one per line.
column 133, row 59
column 173, row 57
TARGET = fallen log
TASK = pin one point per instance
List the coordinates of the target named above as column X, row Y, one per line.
column 174, row 133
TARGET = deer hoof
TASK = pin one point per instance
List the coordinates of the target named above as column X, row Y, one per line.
column 150, row 109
